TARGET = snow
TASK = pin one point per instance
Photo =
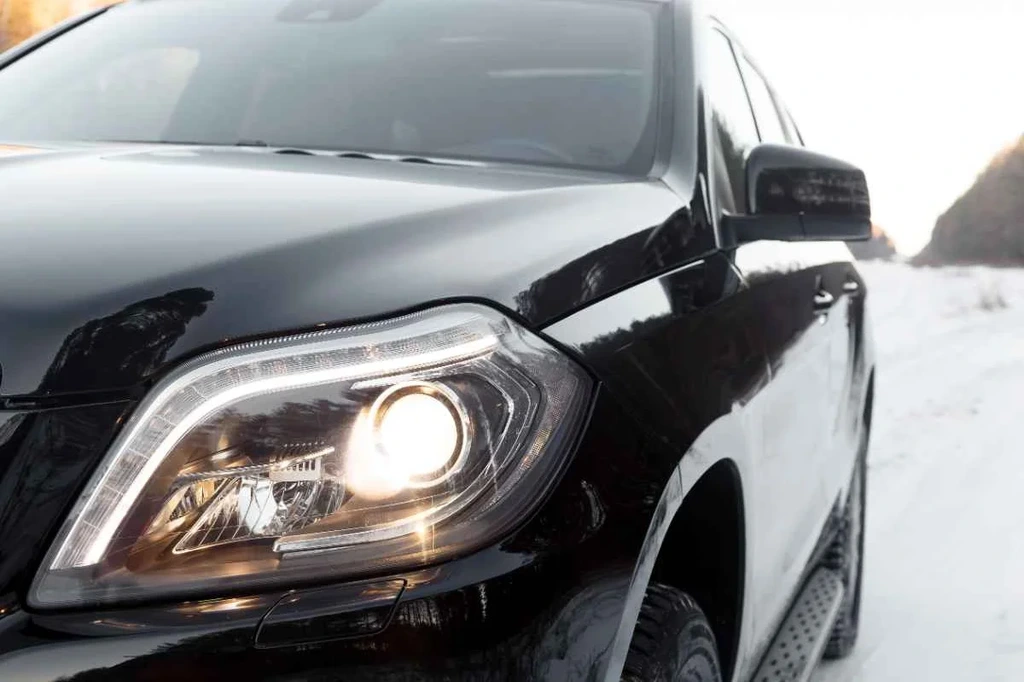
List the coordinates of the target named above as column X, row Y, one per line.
column 944, row 576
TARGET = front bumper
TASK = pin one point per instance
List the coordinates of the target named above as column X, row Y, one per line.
column 544, row 604
column 537, row 622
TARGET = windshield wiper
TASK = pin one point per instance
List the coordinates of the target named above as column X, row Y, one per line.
column 294, row 151
column 385, row 157
column 406, row 159
column 299, row 151
column 342, row 155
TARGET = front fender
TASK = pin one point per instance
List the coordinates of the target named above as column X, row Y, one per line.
column 724, row 440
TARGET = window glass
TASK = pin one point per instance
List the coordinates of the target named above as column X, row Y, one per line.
column 792, row 131
column 128, row 97
column 558, row 82
column 768, row 121
column 734, row 125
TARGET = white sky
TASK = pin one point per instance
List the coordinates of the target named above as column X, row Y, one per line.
column 920, row 94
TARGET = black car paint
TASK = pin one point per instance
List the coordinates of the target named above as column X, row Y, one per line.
column 217, row 251
column 696, row 344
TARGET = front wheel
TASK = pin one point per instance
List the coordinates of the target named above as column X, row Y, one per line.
column 672, row 642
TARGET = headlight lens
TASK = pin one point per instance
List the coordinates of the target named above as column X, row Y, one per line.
column 362, row 450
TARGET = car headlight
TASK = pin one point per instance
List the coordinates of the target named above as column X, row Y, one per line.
column 332, row 454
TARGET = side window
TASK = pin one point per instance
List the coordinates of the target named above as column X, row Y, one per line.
column 734, row 124
column 765, row 111
column 792, row 131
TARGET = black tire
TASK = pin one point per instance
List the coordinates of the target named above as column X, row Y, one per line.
column 672, row 642
column 846, row 555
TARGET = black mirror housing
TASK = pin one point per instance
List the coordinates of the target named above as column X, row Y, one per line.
column 798, row 195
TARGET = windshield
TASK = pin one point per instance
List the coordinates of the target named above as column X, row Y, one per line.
column 559, row 82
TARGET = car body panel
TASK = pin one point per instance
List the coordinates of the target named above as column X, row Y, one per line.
column 230, row 244
column 803, row 465
column 683, row 358
column 706, row 360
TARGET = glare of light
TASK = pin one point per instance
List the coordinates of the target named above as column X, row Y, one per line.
column 367, row 473
column 418, row 433
column 422, row 531
column 225, row 605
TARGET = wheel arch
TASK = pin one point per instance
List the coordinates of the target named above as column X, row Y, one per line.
column 707, row 489
column 711, row 517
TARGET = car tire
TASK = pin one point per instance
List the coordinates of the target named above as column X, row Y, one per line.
column 846, row 556
column 672, row 642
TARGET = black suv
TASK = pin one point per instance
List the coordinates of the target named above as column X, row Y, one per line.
column 263, row 262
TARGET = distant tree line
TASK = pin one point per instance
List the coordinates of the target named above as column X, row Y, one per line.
column 986, row 224
column 879, row 247
column 20, row 19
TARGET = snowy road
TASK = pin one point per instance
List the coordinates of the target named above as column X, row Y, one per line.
column 944, row 581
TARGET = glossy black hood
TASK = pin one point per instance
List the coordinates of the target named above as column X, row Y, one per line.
column 116, row 261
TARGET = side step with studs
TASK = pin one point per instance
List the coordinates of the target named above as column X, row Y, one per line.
column 798, row 646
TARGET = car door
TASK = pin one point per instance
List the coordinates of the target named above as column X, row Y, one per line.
column 788, row 310
column 837, row 290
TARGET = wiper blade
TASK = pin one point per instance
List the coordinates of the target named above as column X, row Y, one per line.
column 294, row 151
column 385, row 157
column 427, row 161
column 299, row 151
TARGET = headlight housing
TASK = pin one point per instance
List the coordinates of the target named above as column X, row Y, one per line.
column 362, row 450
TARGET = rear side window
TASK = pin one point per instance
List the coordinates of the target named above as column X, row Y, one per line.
column 768, row 122
column 733, row 122
column 792, row 131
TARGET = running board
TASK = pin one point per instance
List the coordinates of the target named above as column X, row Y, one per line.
column 799, row 643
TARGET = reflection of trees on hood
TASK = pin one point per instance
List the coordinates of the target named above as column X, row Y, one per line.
column 614, row 266
column 45, row 456
column 121, row 349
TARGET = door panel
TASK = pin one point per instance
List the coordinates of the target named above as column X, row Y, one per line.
column 785, row 492
column 846, row 367
column 790, row 499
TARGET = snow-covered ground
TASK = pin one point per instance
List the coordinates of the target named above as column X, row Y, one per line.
column 944, row 581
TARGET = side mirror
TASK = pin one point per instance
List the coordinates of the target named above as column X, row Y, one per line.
column 798, row 195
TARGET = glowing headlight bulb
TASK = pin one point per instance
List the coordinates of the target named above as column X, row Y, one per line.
column 416, row 435
column 419, row 433
column 420, row 429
